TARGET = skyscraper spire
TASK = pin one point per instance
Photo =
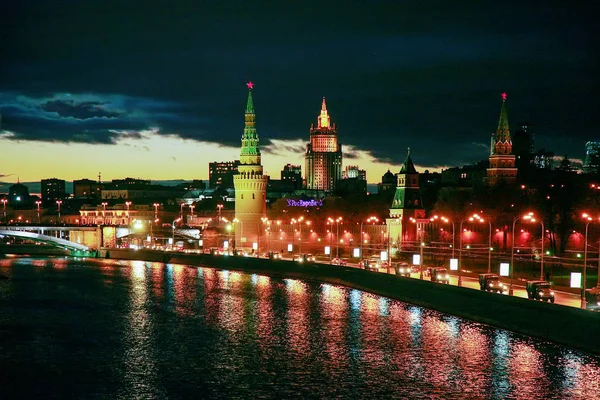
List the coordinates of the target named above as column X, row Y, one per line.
column 323, row 119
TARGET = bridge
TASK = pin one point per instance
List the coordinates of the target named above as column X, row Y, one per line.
column 38, row 237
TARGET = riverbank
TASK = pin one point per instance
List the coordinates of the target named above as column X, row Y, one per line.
column 565, row 325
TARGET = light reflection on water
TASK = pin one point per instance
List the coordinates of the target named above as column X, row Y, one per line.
column 138, row 329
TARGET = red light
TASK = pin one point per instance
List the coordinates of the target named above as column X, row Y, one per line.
column 504, row 96
column 250, row 85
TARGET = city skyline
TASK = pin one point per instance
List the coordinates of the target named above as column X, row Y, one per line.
column 165, row 97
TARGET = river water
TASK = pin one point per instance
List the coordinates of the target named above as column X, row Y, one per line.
column 99, row 329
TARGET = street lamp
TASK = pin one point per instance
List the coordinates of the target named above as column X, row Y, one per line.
column 219, row 207
column 237, row 221
column 192, row 206
column 585, row 246
column 470, row 219
column 448, row 221
column 181, row 211
column 264, row 221
column 512, row 249
column 173, row 233
column 480, row 219
column 104, row 213
column 372, row 219
column 58, row 203
column 38, row 203
column 155, row 205
column 530, row 217
column 337, row 234
column 295, row 221
column 4, row 201
column 128, row 203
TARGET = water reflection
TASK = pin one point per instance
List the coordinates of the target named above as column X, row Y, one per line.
column 163, row 331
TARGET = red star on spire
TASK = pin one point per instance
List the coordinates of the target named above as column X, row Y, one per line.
column 504, row 96
column 250, row 85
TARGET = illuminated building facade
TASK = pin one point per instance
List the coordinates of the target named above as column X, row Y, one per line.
column 293, row 174
column 502, row 160
column 407, row 204
column 87, row 189
column 591, row 163
column 53, row 189
column 250, row 183
column 323, row 157
column 220, row 173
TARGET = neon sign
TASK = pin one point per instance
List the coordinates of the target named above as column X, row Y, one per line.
column 304, row 203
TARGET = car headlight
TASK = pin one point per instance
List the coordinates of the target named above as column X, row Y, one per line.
column 447, row 276
column 439, row 277
column 541, row 293
column 491, row 284
column 551, row 293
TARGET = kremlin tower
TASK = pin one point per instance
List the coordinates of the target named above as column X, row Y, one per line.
column 250, row 184
column 502, row 161
column 407, row 205
column 323, row 156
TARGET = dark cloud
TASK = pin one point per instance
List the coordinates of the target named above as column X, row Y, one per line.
column 396, row 73
column 82, row 110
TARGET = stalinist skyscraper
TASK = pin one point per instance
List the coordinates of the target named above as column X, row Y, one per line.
column 250, row 184
column 323, row 154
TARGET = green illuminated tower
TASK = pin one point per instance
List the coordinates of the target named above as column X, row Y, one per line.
column 250, row 184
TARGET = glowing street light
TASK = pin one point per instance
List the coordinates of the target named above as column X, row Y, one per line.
column 155, row 205
column 4, row 201
column 104, row 204
column 337, row 234
column 480, row 219
column 372, row 219
column 58, row 203
column 173, row 232
column 128, row 204
column 38, row 203
column 585, row 246
column 219, row 207
column 530, row 217
column 448, row 221
column 237, row 221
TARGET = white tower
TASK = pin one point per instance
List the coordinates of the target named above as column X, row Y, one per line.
column 250, row 184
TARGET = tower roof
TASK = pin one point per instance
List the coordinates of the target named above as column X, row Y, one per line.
column 250, row 104
column 323, row 119
column 408, row 167
column 503, row 131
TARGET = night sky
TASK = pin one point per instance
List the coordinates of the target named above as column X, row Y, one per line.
column 156, row 89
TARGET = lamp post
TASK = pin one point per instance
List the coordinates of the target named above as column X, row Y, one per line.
column 104, row 213
column 219, row 207
column 38, row 203
column 512, row 256
column 128, row 203
column 471, row 218
column 155, row 205
column 58, row 203
column 264, row 221
column 173, row 233
column 192, row 206
column 370, row 219
column 585, row 246
column 4, row 201
column 530, row 217
column 480, row 219
column 295, row 221
column 300, row 245
column 337, row 234
column 448, row 221
column 181, row 211
column 237, row 221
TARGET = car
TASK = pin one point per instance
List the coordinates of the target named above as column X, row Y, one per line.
column 402, row 269
column 305, row 258
column 274, row 255
column 540, row 290
column 491, row 283
column 592, row 297
column 370, row 264
column 440, row 275
column 338, row 261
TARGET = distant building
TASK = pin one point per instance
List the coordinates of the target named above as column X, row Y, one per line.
column 293, row 174
column 196, row 184
column 523, row 146
column 591, row 163
column 220, row 173
column 543, row 159
column 502, row 160
column 468, row 175
column 353, row 171
column 116, row 215
column 87, row 189
column 18, row 194
column 129, row 183
column 388, row 183
column 53, row 189
column 323, row 156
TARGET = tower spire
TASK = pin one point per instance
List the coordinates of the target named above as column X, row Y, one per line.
column 323, row 119
column 503, row 132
